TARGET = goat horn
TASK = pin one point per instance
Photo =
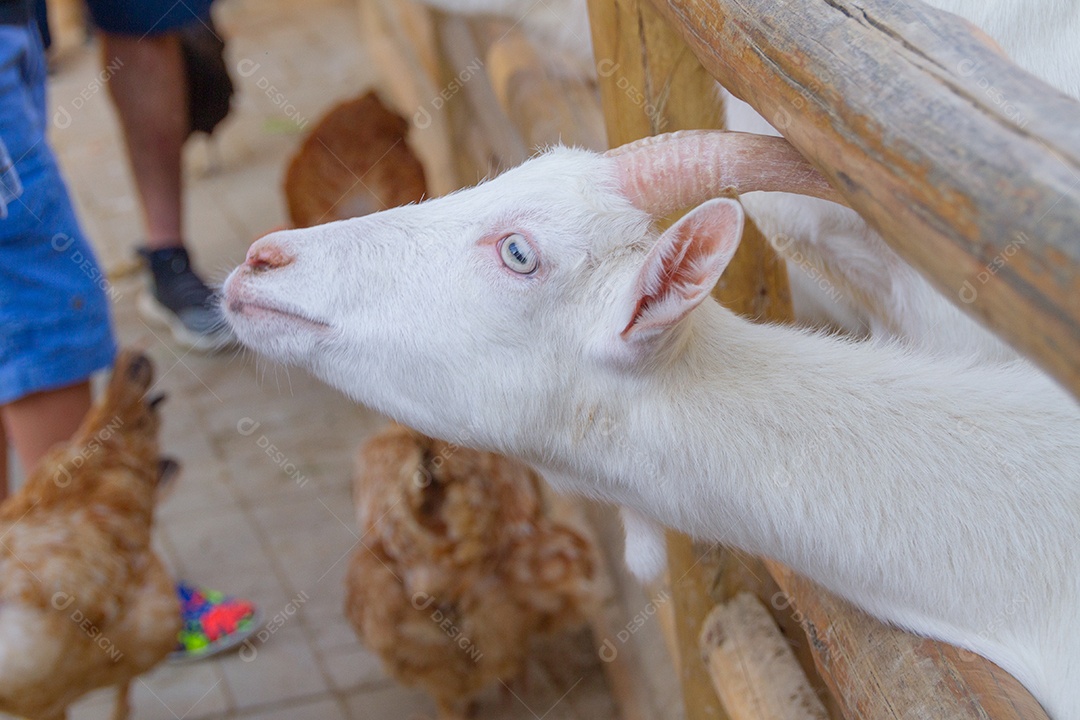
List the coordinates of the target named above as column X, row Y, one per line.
column 666, row 173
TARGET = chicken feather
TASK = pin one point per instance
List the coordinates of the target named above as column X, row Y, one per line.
column 461, row 562
column 354, row 162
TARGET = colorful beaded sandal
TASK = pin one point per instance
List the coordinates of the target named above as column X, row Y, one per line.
column 212, row 622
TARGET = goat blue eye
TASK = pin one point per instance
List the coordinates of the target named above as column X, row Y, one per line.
column 517, row 254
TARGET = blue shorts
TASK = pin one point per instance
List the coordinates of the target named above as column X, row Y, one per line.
column 54, row 315
column 146, row 17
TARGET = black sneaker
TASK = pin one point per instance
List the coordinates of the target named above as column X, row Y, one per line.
column 180, row 301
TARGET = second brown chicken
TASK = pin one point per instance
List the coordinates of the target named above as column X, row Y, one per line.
column 461, row 562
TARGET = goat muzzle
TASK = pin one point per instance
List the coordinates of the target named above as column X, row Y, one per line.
column 267, row 256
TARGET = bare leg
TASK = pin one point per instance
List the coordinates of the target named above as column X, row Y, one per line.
column 150, row 98
column 37, row 422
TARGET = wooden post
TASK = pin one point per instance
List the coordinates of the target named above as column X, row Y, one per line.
column 966, row 165
column 691, row 600
column 650, row 83
column 545, row 107
column 752, row 666
column 877, row 672
column 487, row 142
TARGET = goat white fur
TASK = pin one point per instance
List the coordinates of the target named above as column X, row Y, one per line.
column 938, row 492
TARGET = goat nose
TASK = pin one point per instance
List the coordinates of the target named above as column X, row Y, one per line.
column 267, row 257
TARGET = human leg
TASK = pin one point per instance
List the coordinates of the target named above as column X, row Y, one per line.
column 148, row 93
column 38, row 421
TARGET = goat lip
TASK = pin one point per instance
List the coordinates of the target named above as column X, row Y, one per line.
column 251, row 309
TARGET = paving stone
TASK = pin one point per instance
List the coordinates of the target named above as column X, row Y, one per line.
column 223, row 551
column 392, row 703
column 347, row 662
column 169, row 691
column 325, row 709
column 351, row 666
column 313, row 542
column 279, row 669
column 197, row 490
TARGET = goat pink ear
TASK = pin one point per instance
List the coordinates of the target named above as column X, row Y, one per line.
column 683, row 267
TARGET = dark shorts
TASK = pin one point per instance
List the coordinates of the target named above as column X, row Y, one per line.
column 146, row 17
column 54, row 315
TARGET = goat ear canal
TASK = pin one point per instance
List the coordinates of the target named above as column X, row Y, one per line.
column 683, row 267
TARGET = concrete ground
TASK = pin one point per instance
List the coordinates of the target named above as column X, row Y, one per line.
column 263, row 506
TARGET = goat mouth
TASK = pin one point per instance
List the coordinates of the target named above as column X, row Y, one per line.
column 250, row 309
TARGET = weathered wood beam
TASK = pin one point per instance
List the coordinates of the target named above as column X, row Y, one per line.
column 877, row 672
column 968, row 166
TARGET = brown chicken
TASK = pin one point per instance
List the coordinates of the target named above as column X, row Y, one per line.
column 461, row 562
column 84, row 601
column 354, row 162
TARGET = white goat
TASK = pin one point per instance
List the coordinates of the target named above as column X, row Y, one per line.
column 541, row 316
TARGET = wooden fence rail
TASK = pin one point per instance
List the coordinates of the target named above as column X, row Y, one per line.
column 967, row 165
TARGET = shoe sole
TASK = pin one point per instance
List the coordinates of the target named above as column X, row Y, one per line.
column 152, row 311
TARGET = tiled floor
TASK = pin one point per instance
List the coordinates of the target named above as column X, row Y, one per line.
column 275, row 528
